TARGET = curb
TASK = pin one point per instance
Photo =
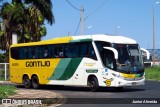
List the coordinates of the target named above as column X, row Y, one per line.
column 5, row 81
column 152, row 80
column 32, row 94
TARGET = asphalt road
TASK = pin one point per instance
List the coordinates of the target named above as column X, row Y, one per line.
column 150, row 90
column 108, row 97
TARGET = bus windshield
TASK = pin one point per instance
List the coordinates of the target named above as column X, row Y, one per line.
column 129, row 57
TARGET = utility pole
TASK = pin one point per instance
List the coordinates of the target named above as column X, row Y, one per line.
column 14, row 38
column 153, row 32
column 82, row 20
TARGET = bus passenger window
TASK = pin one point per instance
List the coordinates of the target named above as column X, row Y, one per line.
column 33, row 53
column 25, row 53
column 21, row 53
column 61, row 54
column 83, row 50
column 91, row 53
column 74, row 49
column 52, row 52
column 66, row 52
column 57, row 53
column 39, row 52
column 46, row 53
column 15, row 53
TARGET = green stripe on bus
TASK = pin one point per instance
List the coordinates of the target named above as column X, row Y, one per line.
column 65, row 68
column 59, row 71
column 81, row 40
column 71, row 68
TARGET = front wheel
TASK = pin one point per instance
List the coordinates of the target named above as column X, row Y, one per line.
column 26, row 82
column 93, row 83
column 35, row 82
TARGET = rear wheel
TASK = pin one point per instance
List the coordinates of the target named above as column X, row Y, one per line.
column 26, row 82
column 35, row 82
column 93, row 83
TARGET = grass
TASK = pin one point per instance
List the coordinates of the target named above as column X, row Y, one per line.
column 1, row 79
column 1, row 75
column 6, row 90
column 152, row 73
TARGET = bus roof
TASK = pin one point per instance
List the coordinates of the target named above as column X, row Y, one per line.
column 107, row 38
column 67, row 39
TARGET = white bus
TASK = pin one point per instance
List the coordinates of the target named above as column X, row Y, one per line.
column 147, row 58
column 89, row 60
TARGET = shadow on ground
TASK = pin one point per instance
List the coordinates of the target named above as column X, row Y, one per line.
column 85, row 89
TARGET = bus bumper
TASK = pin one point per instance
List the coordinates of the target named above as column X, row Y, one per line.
column 122, row 83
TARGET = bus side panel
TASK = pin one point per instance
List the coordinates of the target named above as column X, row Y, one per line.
column 64, row 71
column 45, row 69
column 87, row 67
column 16, row 68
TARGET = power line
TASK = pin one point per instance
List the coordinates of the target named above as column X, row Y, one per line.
column 73, row 6
column 77, row 27
column 87, row 15
column 90, row 14
column 96, row 9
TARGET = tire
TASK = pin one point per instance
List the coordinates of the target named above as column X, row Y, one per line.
column 93, row 83
column 35, row 82
column 26, row 82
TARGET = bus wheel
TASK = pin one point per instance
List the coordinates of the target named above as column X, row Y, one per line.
column 35, row 82
column 26, row 82
column 93, row 82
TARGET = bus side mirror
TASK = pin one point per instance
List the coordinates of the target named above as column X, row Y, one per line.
column 113, row 50
column 145, row 52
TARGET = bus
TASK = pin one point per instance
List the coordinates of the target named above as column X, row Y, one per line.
column 147, row 58
column 90, row 60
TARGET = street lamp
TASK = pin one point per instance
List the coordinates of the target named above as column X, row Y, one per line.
column 153, row 30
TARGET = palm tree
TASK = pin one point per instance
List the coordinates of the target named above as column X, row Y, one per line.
column 45, row 8
column 12, row 22
column 38, row 11
column 26, row 19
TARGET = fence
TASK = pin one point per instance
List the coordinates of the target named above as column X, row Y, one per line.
column 4, row 71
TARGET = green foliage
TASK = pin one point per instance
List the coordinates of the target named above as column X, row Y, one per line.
column 1, row 33
column 2, row 57
column 6, row 90
column 25, row 18
column 1, row 78
column 27, row 36
column 153, row 73
column 1, row 73
column 42, row 30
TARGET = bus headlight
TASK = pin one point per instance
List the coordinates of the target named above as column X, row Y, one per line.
column 118, row 75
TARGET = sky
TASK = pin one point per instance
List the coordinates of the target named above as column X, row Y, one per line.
column 130, row 18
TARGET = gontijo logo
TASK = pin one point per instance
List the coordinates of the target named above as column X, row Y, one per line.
column 37, row 64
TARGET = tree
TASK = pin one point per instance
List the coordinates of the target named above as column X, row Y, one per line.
column 2, row 57
column 26, row 18
column 12, row 22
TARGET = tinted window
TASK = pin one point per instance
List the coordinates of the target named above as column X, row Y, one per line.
column 72, row 50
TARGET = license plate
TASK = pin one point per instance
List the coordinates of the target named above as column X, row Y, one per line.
column 134, row 83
